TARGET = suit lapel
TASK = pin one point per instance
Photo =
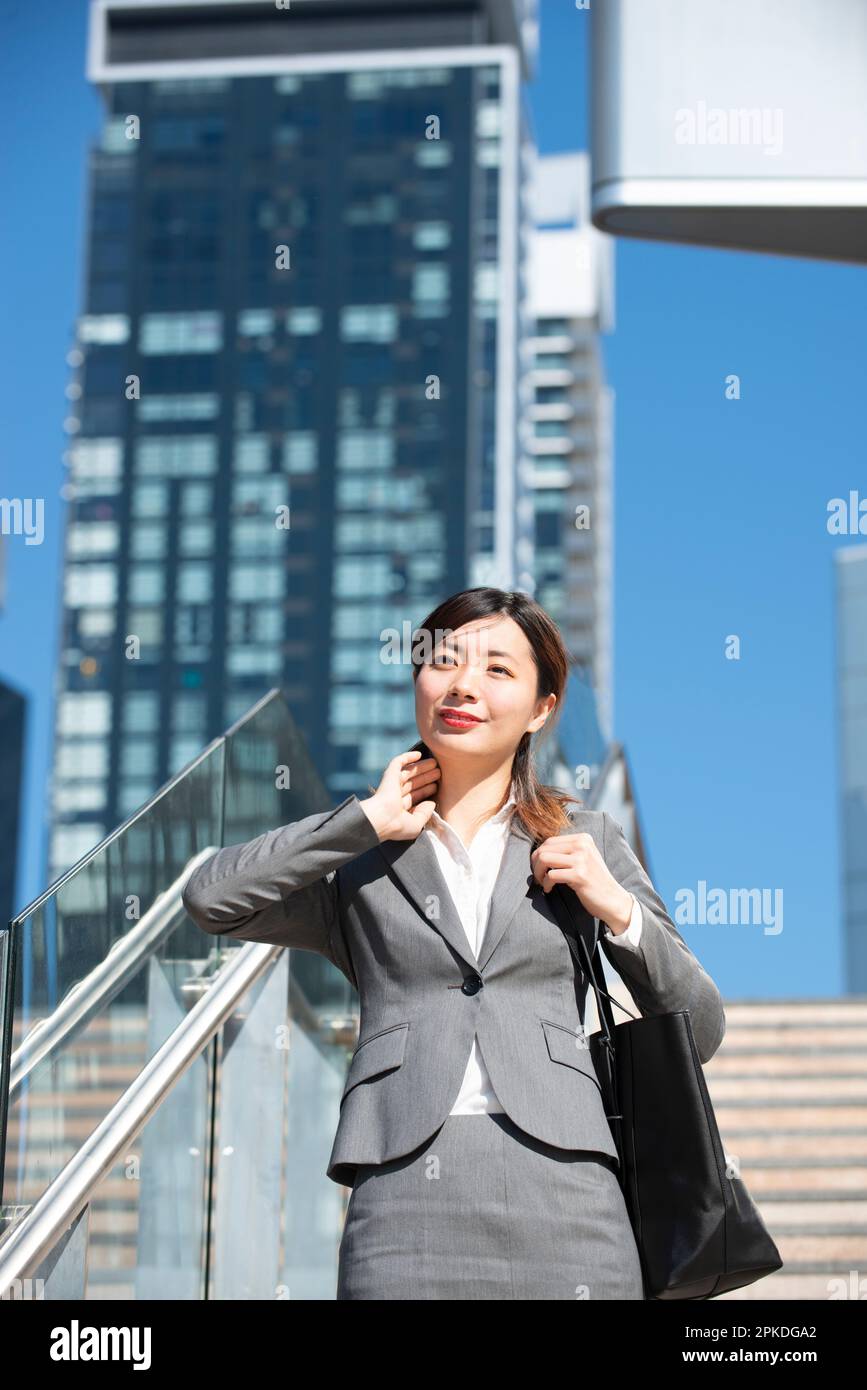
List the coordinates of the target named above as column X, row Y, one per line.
column 513, row 884
column 415, row 864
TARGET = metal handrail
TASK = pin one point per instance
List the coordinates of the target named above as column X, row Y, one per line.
column 36, row 1235
column 105, row 980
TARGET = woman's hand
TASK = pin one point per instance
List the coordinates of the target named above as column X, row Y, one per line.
column 575, row 861
column 396, row 810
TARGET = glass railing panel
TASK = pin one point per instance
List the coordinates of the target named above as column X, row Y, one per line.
column 270, row 781
column 283, row 1085
column 314, row 1207
column 86, row 1013
column 148, row 1235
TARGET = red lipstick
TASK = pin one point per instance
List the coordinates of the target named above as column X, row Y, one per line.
column 459, row 718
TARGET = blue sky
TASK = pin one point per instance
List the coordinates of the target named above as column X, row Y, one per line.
column 720, row 509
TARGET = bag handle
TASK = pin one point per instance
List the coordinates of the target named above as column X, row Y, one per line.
column 606, row 1017
column 603, row 1007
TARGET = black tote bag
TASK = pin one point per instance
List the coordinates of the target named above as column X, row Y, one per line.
column 698, row 1232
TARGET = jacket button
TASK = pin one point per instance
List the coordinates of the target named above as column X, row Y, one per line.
column 472, row 984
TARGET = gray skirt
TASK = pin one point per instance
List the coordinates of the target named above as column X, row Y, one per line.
column 484, row 1210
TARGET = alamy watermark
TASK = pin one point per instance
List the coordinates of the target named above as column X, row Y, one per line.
column 732, row 907
column 760, row 126
column 23, row 516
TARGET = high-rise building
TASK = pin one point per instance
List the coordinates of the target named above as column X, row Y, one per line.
column 13, row 711
column 13, row 715
column 568, row 412
column 851, row 603
column 297, row 360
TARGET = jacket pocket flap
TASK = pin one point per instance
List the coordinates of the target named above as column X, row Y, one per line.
column 382, row 1052
column 569, row 1047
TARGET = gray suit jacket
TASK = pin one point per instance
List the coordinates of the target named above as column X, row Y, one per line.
column 383, row 914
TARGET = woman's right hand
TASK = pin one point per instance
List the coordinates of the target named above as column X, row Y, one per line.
column 397, row 809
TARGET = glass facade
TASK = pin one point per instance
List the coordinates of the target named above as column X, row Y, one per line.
column 570, row 420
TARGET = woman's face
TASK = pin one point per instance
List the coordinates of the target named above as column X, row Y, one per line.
column 486, row 669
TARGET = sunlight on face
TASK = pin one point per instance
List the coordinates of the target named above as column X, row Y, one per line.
column 485, row 668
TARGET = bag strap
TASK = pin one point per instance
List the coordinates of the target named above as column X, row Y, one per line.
column 603, row 1008
column 606, row 1017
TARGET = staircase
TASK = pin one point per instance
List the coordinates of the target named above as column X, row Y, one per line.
column 789, row 1088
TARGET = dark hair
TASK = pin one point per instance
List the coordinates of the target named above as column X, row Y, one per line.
column 541, row 809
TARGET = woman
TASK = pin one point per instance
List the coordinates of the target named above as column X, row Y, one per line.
column 472, row 1128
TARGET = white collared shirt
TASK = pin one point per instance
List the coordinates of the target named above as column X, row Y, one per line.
column 470, row 875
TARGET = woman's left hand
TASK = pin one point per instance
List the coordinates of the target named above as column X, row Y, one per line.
column 575, row 861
